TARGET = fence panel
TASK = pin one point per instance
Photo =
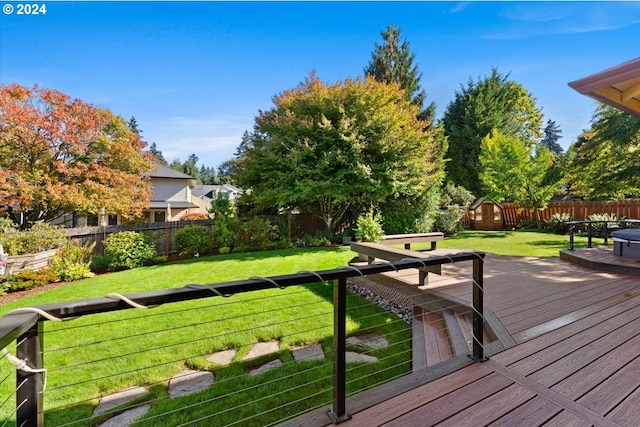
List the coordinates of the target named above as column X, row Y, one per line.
column 162, row 233
column 578, row 209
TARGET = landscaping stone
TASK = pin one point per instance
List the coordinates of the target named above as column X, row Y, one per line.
column 266, row 367
column 375, row 341
column 189, row 381
column 223, row 358
column 353, row 357
column 111, row 401
column 126, row 418
column 262, row 349
column 307, row 353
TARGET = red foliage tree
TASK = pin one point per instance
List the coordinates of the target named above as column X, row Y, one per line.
column 61, row 155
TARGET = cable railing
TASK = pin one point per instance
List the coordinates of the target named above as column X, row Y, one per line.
column 598, row 228
column 109, row 343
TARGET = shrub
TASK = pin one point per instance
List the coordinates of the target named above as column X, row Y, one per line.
column 40, row 237
column 128, row 249
column 257, row 234
column 558, row 223
column 448, row 222
column 369, row 228
column 598, row 227
column 100, row 263
column 193, row 239
column 29, row 279
column 73, row 262
column 225, row 250
column 224, row 229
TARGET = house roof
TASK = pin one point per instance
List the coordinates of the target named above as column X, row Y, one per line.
column 206, row 190
column 178, row 204
column 618, row 86
column 163, row 171
column 481, row 200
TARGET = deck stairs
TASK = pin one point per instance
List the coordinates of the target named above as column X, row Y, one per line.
column 441, row 324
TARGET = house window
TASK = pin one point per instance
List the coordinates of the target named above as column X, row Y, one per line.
column 92, row 220
column 113, row 220
column 479, row 216
column 159, row 216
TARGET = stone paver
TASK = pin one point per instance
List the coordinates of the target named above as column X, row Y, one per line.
column 223, row 358
column 307, row 353
column 262, row 349
column 353, row 357
column 189, row 381
column 110, row 401
column 126, row 418
column 375, row 341
column 266, row 367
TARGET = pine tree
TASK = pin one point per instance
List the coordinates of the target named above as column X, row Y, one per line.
column 153, row 149
column 393, row 62
column 133, row 125
column 552, row 133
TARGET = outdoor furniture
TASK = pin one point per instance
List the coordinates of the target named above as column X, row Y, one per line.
column 626, row 243
column 376, row 250
column 408, row 239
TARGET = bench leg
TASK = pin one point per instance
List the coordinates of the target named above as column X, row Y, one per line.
column 407, row 246
column 423, row 278
column 433, row 246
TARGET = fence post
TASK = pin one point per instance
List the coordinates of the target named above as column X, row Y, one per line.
column 478, row 310
column 339, row 412
column 28, row 384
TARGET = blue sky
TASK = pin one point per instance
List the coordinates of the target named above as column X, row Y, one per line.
column 194, row 74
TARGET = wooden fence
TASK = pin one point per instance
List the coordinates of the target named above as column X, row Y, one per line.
column 161, row 232
column 579, row 210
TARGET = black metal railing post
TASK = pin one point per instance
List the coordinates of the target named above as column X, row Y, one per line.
column 339, row 412
column 572, row 231
column 605, row 231
column 589, row 231
column 29, row 385
column 478, row 311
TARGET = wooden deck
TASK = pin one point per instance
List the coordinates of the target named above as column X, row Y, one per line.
column 575, row 362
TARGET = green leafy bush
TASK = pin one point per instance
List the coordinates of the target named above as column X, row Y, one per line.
column 128, row 249
column 29, row 279
column 73, row 262
column 224, row 230
column 369, row 228
column 100, row 263
column 448, row 221
column 194, row 239
column 41, row 237
column 257, row 234
column 598, row 227
column 558, row 223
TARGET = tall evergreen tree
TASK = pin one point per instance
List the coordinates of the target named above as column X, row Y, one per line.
column 552, row 133
column 494, row 102
column 133, row 126
column 153, row 149
column 393, row 62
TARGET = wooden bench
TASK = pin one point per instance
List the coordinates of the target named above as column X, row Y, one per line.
column 408, row 239
column 382, row 251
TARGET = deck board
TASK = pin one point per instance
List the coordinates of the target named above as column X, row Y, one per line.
column 575, row 361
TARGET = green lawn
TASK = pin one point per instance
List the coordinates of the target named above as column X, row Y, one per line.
column 515, row 243
column 99, row 354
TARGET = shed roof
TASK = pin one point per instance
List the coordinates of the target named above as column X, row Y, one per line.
column 481, row 200
column 618, row 86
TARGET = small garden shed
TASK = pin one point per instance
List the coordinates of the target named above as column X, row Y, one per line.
column 486, row 214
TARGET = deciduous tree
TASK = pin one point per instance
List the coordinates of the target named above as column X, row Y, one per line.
column 514, row 170
column 605, row 161
column 61, row 155
column 327, row 147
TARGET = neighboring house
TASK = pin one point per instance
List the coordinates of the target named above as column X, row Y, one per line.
column 171, row 199
column 202, row 195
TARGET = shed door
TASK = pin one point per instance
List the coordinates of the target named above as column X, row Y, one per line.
column 488, row 222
